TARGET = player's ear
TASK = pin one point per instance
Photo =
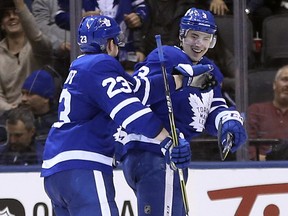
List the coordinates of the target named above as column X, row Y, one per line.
column 111, row 48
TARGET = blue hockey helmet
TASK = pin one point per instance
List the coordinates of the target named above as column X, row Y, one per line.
column 197, row 20
column 95, row 30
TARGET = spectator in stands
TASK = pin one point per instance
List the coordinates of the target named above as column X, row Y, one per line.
column 164, row 19
column 283, row 6
column 62, row 16
column 23, row 49
column 29, row 4
column 270, row 119
column 217, row 7
column 130, row 15
column 3, row 137
column 257, row 10
column 38, row 92
column 44, row 12
column 221, row 7
column 21, row 148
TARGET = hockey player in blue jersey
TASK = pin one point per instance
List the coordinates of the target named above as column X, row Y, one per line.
column 97, row 96
column 195, row 109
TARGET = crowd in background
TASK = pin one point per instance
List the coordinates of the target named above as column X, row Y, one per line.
column 35, row 57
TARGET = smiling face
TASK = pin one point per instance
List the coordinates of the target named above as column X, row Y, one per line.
column 196, row 44
column 10, row 22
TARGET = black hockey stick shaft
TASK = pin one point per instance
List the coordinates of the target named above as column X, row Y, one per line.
column 171, row 118
column 224, row 148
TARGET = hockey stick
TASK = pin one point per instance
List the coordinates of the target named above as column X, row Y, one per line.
column 224, row 149
column 171, row 119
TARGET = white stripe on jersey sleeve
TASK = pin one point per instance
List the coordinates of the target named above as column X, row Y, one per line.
column 121, row 105
column 136, row 115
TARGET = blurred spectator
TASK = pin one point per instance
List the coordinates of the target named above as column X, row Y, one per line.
column 38, row 92
column 62, row 16
column 221, row 7
column 164, row 19
column 217, row 7
column 129, row 14
column 270, row 119
column 283, row 6
column 21, row 148
column 257, row 10
column 3, row 137
column 44, row 12
column 23, row 49
column 29, row 4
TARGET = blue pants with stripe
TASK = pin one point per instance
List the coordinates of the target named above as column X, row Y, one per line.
column 80, row 192
column 155, row 185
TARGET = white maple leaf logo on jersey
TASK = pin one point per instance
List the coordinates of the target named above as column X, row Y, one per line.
column 6, row 212
column 201, row 109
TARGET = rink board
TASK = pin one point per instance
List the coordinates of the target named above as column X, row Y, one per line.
column 241, row 189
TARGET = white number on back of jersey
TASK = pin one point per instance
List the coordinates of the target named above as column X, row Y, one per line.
column 65, row 97
column 111, row 82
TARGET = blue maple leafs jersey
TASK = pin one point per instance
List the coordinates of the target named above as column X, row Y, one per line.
column 97, row 97
column 194, row 110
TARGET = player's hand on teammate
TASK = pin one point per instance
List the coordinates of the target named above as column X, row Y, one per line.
column 238, row 132
column 199, row 75
column 204, row 81
column 176, row 156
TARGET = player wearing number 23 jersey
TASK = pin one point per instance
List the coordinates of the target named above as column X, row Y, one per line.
column 97, row 96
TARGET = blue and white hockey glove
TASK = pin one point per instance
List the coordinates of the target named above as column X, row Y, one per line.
column 181, row 155
column 199, row 75
column 232, row 123
column 176, row 156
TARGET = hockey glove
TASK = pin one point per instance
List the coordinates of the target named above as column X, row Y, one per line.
column 176, row 156
column 181, row 155
column 196, row 76
column 238, row 133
